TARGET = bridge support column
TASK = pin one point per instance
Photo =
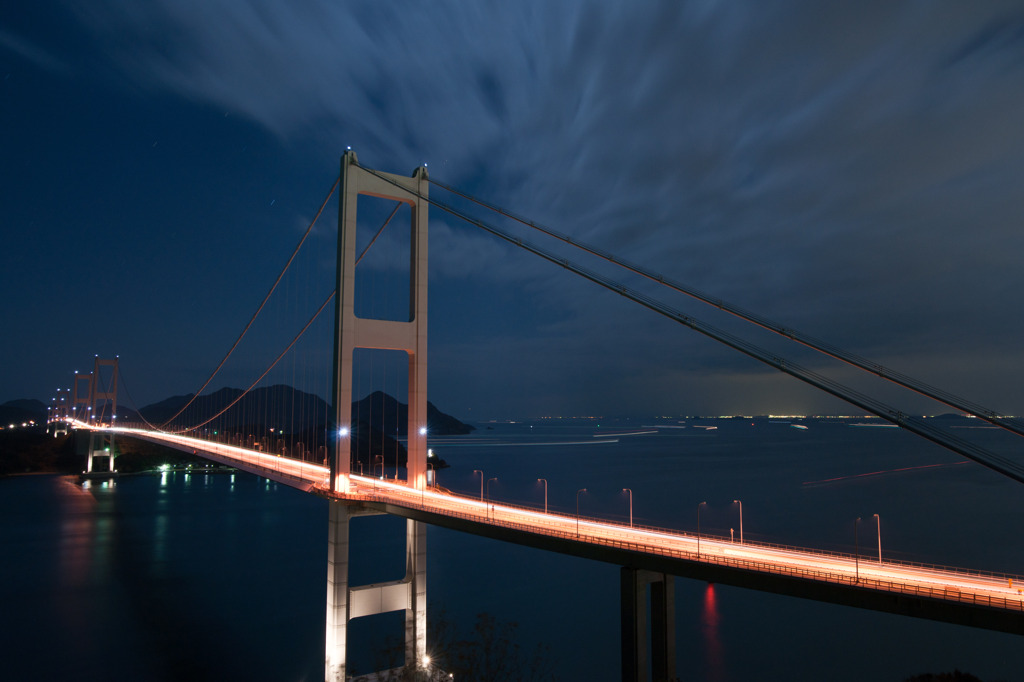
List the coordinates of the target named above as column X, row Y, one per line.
column 337, row 591
column 92, row 452
column 346, row 603
column 416, row 578
column 633, row 589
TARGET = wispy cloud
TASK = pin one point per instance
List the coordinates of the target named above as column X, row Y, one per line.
column 853, row 169
column 30, row 52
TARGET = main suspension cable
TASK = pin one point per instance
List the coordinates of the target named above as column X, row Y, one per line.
column 261, row 306
column 131, row 399
column 964, row 448
column 893, row 376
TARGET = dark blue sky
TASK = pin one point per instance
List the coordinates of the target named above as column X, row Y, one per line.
column 853, row 172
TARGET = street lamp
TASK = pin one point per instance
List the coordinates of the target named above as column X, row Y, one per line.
column 698, row 527
column 545, row 493
column 878, row 528
column 477, row 471
column 741, row 519
column 581, row 490
column 630, row 491
column 856, row 550
column 489, row 491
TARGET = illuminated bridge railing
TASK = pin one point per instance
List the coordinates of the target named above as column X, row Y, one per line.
column 712, row 554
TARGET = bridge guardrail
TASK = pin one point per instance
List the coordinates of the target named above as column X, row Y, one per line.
column 834, row 577
column 956, row 570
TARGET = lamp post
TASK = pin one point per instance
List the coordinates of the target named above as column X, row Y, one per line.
column 581, row 490
column 856, row 551
column 545, row 493
column 878, row 528
column 489, row 493
column 477, row 471
column 630, row 491
column 698, row 527
column 741, row 519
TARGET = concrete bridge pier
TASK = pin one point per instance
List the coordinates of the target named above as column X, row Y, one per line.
column 346, row 603
column 633, row 594
column 92, row 452
column 97, row 448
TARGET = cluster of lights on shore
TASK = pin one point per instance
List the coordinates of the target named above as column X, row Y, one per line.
column 24, row 425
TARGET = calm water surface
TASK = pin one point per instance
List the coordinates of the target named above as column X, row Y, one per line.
column 214, row 577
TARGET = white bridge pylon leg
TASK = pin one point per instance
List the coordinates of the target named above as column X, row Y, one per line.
column 346, row 603
column 343, row 602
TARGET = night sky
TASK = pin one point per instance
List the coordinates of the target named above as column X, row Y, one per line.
column 855, row 172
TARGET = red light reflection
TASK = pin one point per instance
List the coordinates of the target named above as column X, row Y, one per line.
column 715, row 658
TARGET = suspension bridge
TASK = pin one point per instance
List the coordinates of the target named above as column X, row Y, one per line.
column 317, row 451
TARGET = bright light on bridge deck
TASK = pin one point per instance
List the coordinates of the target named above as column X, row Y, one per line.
column 423, row 430
column 343, row 431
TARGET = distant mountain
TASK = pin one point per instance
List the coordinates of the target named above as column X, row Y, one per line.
column 29, row 404
column 21, row 411
column 285, row 408
column 387, row 415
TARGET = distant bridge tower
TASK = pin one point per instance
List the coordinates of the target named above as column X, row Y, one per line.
column 409, row 594
column 81, row 396
column 99, row 397
column 58, row 413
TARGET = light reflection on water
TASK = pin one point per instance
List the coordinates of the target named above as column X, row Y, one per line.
column 713, row 651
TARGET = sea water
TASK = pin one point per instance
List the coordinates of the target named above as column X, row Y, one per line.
column 222, row 576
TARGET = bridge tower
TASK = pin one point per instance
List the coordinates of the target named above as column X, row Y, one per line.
column 99, row 396
column 80, row 396
column 344, row 602
column 59, row 413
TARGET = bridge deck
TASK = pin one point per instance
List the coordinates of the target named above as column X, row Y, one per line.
column 987, row 600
